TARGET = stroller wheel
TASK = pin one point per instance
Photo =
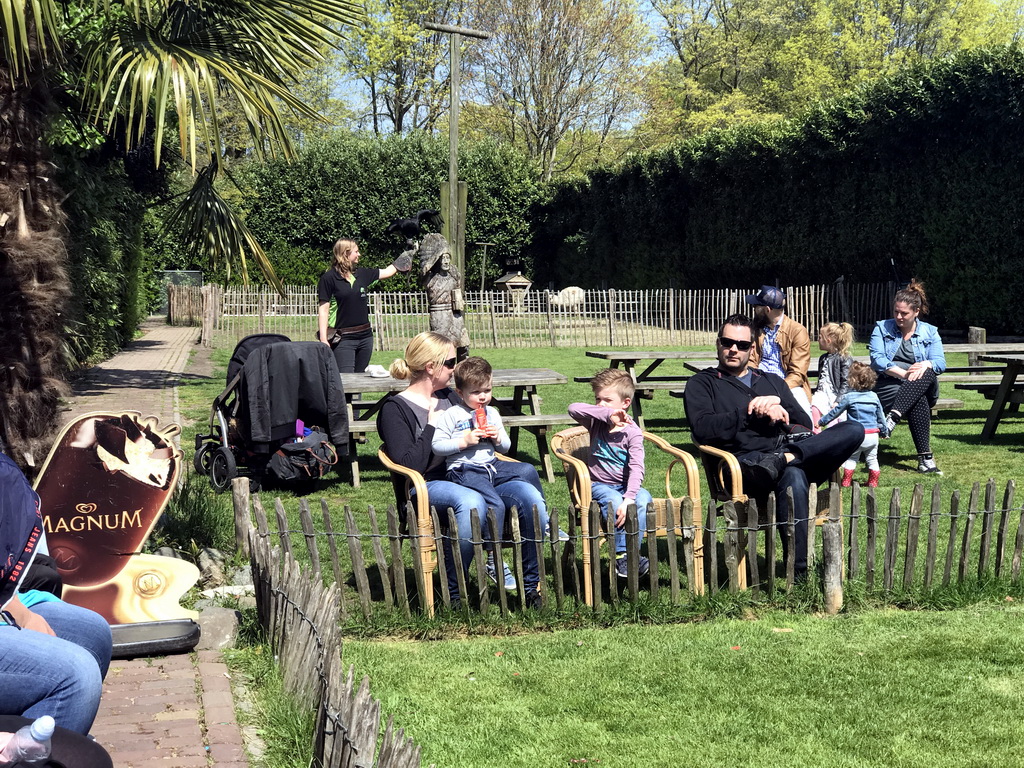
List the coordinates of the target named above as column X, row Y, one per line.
column 203, row 458
column 223, row 469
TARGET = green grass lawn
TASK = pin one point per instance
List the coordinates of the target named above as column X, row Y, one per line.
column 871, row 687
column 961, row 453
column 879, row 688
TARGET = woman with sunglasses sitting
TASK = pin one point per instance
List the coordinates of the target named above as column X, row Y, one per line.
column 406, row 427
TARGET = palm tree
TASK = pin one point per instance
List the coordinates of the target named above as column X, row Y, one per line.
column 137, row 67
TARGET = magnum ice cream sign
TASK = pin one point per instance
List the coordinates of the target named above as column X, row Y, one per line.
column 103, row 487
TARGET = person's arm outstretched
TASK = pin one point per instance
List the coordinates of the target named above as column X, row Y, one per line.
column 841, row 407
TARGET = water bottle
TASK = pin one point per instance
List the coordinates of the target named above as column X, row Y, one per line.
column 30, row 745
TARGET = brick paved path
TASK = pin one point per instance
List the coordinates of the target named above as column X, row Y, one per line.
column 173, row 711
column 142, row 378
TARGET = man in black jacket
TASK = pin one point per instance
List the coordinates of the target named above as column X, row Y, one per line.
column 754, row 415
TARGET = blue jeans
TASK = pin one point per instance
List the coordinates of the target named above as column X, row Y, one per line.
column 60, row 676
column 466, row 502
column 487, row 479
column 606, row 495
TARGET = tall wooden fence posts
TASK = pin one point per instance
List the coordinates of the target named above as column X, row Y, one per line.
column 604, row 318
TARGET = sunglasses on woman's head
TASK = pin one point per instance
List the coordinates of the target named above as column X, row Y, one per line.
column 449, row 363
column 742, row 346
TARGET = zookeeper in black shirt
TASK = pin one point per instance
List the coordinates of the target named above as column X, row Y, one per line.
column 343, row 317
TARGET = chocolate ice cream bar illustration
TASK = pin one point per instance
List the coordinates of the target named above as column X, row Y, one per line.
column 103, row 487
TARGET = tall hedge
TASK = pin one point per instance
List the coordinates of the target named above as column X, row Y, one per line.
column 923, row 168
column 354, row 185
column 106, row 254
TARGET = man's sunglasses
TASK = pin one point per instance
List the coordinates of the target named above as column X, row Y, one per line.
column 742, row 346
column 449, row 363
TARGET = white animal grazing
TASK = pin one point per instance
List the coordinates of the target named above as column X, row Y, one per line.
column 570, row 298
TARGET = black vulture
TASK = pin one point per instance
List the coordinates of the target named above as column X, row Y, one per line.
column 413, row 228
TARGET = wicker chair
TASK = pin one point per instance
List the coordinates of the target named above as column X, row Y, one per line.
column 415, row 491
column 725, row 483
column 572, row 446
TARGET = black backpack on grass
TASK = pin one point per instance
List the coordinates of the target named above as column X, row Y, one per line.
column 305, row 459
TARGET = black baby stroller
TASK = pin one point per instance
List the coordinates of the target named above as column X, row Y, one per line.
column 272, row 384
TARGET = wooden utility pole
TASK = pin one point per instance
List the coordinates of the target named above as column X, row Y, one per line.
column 454, row 212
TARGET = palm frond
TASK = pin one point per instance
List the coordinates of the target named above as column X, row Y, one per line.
column 214, row 231
column 183, row 57
column 30, row 32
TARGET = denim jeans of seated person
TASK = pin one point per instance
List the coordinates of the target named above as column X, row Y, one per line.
column 517, row 493
column 611, row 495
column 59, row 676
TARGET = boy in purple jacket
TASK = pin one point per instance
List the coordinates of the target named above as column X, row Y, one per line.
column 616, row 456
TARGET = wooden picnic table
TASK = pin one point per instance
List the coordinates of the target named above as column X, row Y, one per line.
column 991, row 349
column 522, row 407
column 1009, row 391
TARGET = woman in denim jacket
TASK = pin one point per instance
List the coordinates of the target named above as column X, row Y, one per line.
column 907, row 355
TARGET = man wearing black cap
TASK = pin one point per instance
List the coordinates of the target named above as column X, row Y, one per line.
column 782, row 346
column 754, row 415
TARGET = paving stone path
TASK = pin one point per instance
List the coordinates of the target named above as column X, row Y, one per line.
column 172, row 711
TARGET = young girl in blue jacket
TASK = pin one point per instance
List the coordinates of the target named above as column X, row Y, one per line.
column 861, row 405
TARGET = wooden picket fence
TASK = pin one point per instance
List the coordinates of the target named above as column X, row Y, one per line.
column 604, row 318
column 739, row 544
column 301, row 619
column 867, row 544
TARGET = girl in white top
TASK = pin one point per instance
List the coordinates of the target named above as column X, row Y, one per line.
column 833, row 369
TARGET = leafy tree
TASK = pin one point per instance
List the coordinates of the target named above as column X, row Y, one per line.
column 402, row 66
column 740, row 60
column 919, row 169
column 133, row 70
column 354, row 185
column 558, row 71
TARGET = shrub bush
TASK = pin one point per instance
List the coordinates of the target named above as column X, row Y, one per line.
column 105, row 252
column 355, row 185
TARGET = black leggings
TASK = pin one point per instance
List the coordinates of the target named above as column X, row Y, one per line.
column 353, row 352
column 913, row 403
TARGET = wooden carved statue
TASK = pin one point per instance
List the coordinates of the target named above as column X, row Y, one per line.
column 443, row 285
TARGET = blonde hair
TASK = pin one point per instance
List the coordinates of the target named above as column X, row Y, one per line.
column 342, row 256
column 426, row 347
column 617, row 379
column 861, row 377
column 841, row 334
column 913, row 296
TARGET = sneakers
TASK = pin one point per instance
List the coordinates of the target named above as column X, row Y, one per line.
column 562, row 535
column 510, row 580
column 533, row 600
column 621, row 567
column 926, row 465
column 890, row 424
